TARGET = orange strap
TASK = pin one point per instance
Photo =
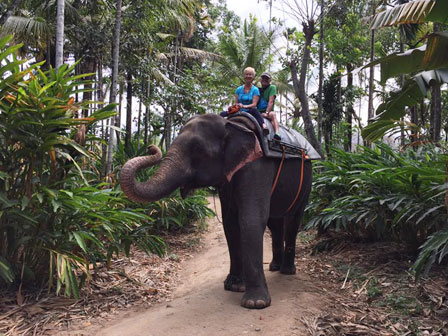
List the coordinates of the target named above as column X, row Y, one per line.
column 278, row 172
column 300, row 185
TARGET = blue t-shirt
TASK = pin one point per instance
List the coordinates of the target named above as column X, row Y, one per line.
column 246, row 98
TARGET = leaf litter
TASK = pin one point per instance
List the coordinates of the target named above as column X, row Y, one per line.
column 367, row 286
column 371, row 290
column 141, row 281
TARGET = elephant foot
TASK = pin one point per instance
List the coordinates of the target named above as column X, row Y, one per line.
column 234, row 283
column 256, row 300
column 290, row 269
column 274, row 266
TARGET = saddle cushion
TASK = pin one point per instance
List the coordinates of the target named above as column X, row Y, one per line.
column 292, row 141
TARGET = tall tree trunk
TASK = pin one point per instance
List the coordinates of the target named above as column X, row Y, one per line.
column 321, row 73
column 422, row 112
column 349, row 111
column 120, row 108
column 113, row 90
column 129, row 93
column 139, row 123
column 299, row 85
column 147, row 110
column 60, row 34
column 402, row 39
column 10, row 11
column 88, row 66
column 371, row 112
column 436, row 111
column 436, row 105
column 414, row 120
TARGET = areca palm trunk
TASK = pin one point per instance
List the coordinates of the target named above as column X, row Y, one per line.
column 350, row 111
column 60, row 34
column 129, row 93
column 321, row 73
column 113, row 91
column 370, row 112
column 436, row 105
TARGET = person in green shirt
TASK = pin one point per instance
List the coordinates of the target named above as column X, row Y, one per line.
column 268, row 92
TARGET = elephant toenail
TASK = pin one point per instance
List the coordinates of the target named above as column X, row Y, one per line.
column 260, row 304
column 249, row 304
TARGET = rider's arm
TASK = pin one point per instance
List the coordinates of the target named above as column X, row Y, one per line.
column 270, row 104
column 255, row 100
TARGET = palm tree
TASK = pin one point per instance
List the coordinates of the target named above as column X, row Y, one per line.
column 11, row 9
column 241, row 49
column 113, row 89
column 60, row 34
column 34, row 25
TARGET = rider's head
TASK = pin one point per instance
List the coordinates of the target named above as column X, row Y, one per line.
column 265, row 79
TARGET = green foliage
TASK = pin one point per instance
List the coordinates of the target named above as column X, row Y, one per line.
column 381, row 194
column 414, row 11
column 429, row 59
column 55, row 221
column 174, row 213
column 170, row 213
column 243, row 48
column 345, row 36
column 394, row 108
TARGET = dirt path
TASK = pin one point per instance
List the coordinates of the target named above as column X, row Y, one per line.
column 202, row 307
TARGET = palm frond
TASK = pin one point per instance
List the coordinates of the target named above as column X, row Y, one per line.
column 19, row 25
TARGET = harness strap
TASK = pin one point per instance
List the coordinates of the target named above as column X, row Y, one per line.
column 300, row 184
column 279, row 170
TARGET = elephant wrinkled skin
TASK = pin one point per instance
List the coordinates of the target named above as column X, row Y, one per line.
column 213, row 151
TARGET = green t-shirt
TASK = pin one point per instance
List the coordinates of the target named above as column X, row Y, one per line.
column 271, row 90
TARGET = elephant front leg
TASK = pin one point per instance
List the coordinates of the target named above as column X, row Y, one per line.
column 235, row 279
column 252, row 224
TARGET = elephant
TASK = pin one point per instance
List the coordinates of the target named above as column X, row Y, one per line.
column 213, row 151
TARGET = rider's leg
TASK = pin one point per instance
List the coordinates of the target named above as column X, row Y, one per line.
column 275, row 124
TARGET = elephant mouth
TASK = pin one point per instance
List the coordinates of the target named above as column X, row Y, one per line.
column 186, row 191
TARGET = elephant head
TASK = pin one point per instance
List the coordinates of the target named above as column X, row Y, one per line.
column 208, row 151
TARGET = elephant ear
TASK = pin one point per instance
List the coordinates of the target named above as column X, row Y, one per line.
column 242, row 147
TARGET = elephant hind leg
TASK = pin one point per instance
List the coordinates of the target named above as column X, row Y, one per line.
column 292, row 225
column 275, row 225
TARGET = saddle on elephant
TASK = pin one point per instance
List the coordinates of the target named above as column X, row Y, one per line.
column 293, row 144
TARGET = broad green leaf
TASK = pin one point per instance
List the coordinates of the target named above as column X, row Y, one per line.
column 6, row 271
column 417, row 11
column 80, row 241
column 394, row 108
column 428, row 57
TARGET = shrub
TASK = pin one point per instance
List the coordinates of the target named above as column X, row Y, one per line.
column 53, row 221
column 170, row 213
column 383, row 194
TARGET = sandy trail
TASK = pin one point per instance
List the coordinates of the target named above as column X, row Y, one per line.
column 201, row 306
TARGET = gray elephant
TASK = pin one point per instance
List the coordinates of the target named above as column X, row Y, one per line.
column 213, row 151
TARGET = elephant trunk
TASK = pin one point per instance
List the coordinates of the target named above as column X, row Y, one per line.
column 167, row 178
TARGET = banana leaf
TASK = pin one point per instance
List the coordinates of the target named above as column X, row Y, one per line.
column 427, row 57
column 416, row 12
column 389, row 112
